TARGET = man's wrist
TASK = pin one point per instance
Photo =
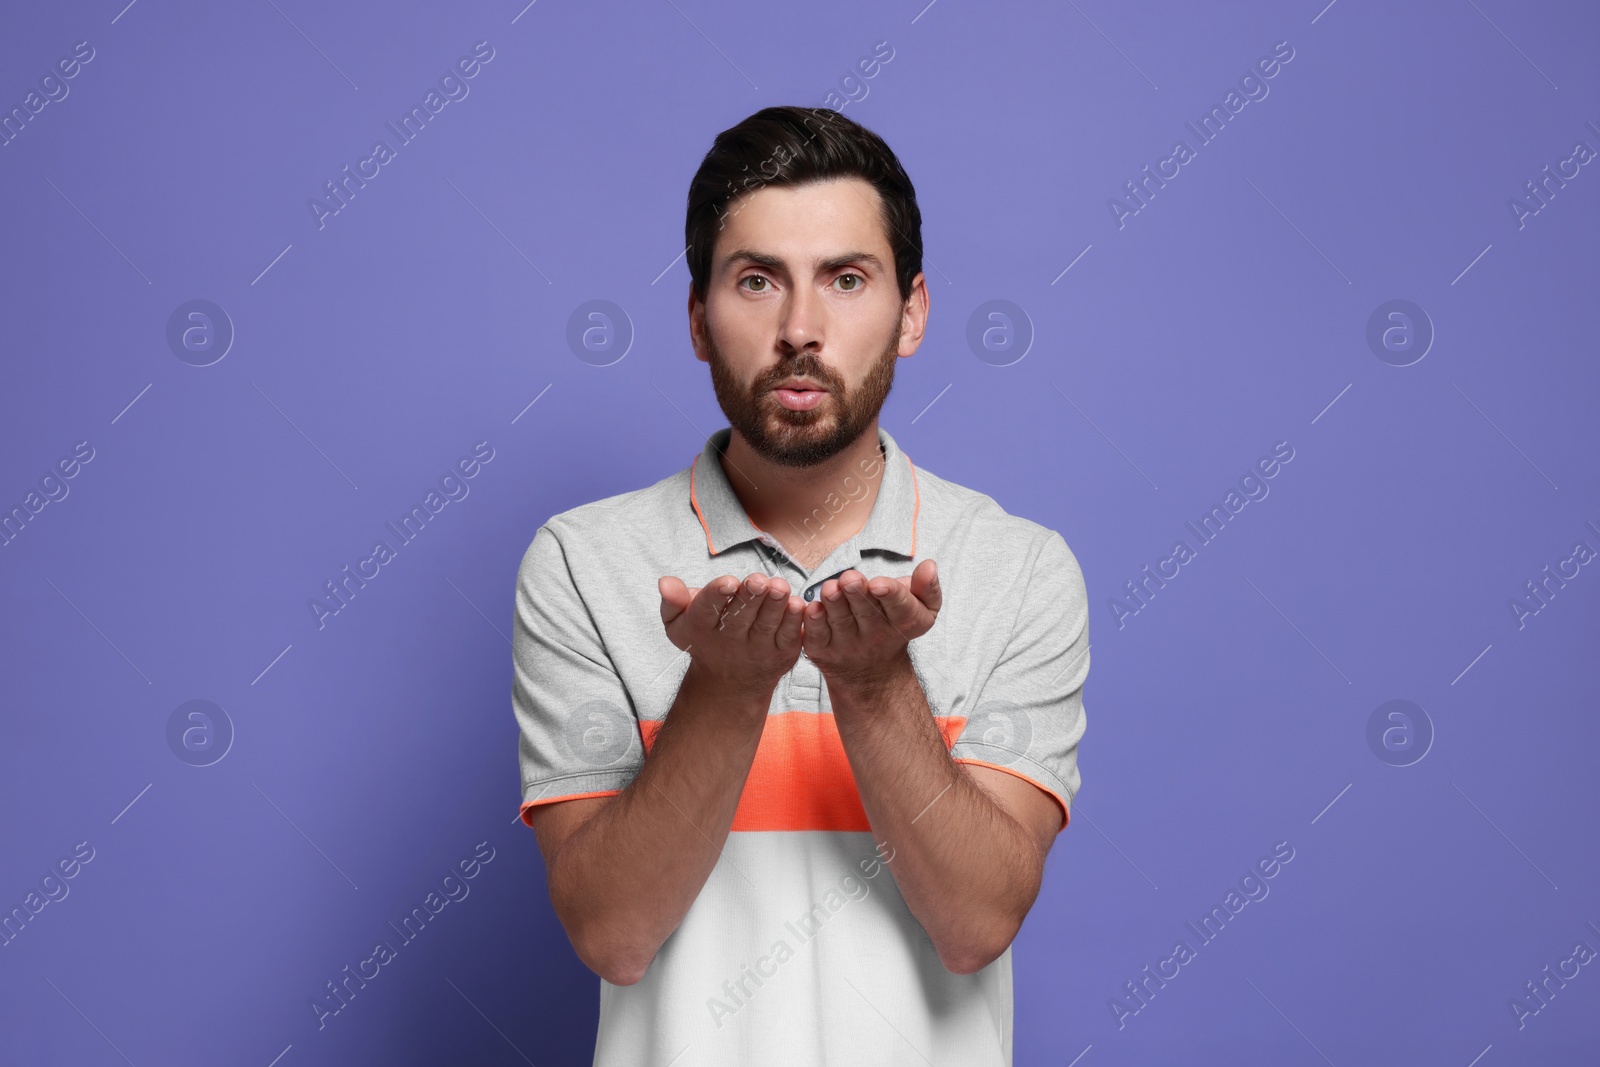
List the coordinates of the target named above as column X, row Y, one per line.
column 868, row 689
column 735, row 694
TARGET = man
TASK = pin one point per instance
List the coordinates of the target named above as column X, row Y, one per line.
column 719, row 771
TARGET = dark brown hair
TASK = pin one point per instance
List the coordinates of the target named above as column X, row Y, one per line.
column 798, row 146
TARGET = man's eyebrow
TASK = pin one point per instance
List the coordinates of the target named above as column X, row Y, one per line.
column 771, row 262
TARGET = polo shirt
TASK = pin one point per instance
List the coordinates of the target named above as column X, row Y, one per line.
column 799, row 949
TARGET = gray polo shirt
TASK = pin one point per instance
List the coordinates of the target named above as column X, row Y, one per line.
column 797, row 924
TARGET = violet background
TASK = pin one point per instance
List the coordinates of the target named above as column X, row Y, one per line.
column 1230, row 313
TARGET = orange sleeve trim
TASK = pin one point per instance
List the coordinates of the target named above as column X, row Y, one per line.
column 1065, row 817
column 528, row 805
column 695, row 501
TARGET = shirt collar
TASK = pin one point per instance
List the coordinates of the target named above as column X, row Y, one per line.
column 892, row 526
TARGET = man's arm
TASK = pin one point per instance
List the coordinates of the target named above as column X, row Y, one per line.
column 623, row 871
column 968, row 843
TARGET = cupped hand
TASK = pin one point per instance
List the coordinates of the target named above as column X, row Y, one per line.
column 746, row 634
column 857, row 627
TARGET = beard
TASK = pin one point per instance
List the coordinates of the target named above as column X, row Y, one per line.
column 802, row 438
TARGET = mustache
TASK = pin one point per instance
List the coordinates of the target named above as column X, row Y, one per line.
column 799, row 369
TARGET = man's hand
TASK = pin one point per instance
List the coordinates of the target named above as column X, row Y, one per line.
column 743, row 633
column 857, row 628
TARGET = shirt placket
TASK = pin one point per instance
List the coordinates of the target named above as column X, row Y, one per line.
column 804, row 681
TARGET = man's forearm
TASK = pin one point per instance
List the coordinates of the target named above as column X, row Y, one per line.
column 624, row 880
column 967, row 870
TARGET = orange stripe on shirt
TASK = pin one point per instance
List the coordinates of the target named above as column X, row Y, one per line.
column 800, row 778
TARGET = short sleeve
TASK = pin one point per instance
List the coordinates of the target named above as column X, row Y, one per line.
column 579, row 736
column 1030, row 717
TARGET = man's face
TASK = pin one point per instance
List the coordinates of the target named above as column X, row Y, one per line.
column 802, row 287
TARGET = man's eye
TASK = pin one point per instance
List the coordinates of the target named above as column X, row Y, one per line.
column 852, row 288
column 754, row 278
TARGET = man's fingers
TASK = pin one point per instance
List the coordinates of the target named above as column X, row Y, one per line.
column 925, row 585
column 863, row 605
column 675, row 598
column 841, row 619
column 790, row 630
column 817, row 631
column 748, row 596
column 900, row 608
column 707, row 606
column 770, row 611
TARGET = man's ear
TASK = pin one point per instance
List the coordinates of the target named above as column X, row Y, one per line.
column 697, row 326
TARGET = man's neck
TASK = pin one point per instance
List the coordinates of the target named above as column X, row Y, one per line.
column 808, row 510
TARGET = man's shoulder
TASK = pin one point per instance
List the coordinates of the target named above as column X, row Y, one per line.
column 626, row 511
column 975, row 524
column 613, row 526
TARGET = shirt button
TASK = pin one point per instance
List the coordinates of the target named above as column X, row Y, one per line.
column 811, row 593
